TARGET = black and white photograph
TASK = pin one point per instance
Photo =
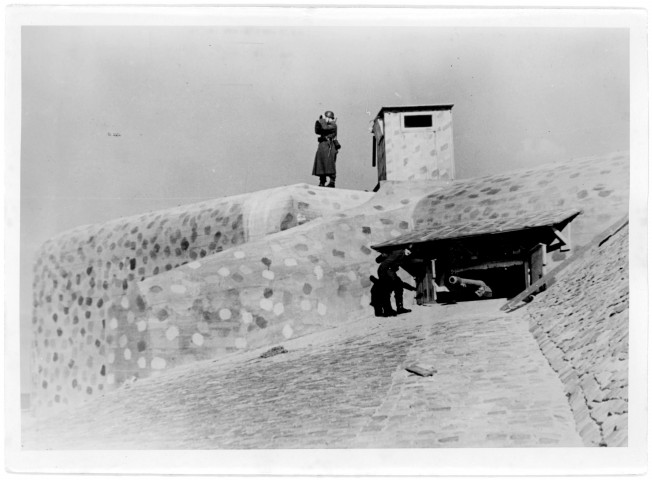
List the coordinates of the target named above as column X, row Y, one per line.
column 279, row 235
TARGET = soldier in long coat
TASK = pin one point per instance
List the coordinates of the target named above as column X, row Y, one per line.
column 324, row 166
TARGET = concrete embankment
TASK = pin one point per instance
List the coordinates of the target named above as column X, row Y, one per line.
column 346, row 387
column 582, row 325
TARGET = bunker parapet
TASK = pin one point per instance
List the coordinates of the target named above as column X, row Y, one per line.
column 134, row 296
column 84, row 279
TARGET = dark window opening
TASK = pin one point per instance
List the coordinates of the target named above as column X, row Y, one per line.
column 417, row 121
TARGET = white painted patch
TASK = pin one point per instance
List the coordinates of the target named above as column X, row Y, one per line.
column 290, row 262
column 198, row 339
column 279, row 309
column 110, row 379
column 247, row 317
column 158, row 363
column 240, row 343
column 321, row 309
column 268, row 274
column 127, row 354
column 305, row 305
column 178, row 289
column 142, row 326
column 266, row 304
column 111, row 357
column 142, row 362
column 124, row 303
column 123, row 341
column 239, row 254
column 194, row 265
column 395, row 233
column 319, row 272
column 287, row 331
column 352, row 276
column 224, row 271
column 172, row 333
column 225, row 314
column 113, row 323
column 245, row 270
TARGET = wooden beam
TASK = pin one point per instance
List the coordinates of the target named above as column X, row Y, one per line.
column 565, row 243
column 488, row 265
column 537, row 262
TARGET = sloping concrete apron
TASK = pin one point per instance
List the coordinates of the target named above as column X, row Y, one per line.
column 346, row 387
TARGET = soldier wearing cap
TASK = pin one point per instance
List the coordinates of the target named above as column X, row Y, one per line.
column 324, row 166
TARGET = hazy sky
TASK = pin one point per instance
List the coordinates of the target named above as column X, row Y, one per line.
column 122, row 120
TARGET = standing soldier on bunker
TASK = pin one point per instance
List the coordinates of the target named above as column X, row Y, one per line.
column 324, row 166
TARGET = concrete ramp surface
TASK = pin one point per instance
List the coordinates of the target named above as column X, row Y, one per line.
column 344, row 388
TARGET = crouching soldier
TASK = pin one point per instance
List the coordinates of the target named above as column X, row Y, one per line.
column 381, row 297
column 388, row 282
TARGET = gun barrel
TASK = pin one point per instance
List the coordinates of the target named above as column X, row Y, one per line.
column 463, row 282
column 482, row 288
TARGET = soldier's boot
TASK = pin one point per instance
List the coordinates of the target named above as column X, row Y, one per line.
column 331, row 184
column 400, row 309
column 388, row 311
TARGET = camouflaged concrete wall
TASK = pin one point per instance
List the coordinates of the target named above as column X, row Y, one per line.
column 86, row 305
column 582, row 326
column 262, row 293
column 599, row 186
column 259, row 292
column 419, row 154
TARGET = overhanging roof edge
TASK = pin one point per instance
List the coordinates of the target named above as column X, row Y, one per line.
column 414, row 108
column 407, row 238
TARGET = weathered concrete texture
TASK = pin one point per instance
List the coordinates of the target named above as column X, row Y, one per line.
column 417, row 154
column 599, row 186
column 136, row 296
column 287, row 285
column 85, row 304
column 345, row 387
column 582, row 324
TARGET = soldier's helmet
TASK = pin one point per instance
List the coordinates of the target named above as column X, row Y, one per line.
column 329, row 114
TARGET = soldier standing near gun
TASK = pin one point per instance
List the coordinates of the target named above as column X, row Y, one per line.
column 390, row 282
column 324, row 166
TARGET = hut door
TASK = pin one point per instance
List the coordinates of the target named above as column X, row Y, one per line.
column 379, row 149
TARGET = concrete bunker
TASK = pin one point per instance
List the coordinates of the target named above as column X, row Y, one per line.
column 486, row 258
